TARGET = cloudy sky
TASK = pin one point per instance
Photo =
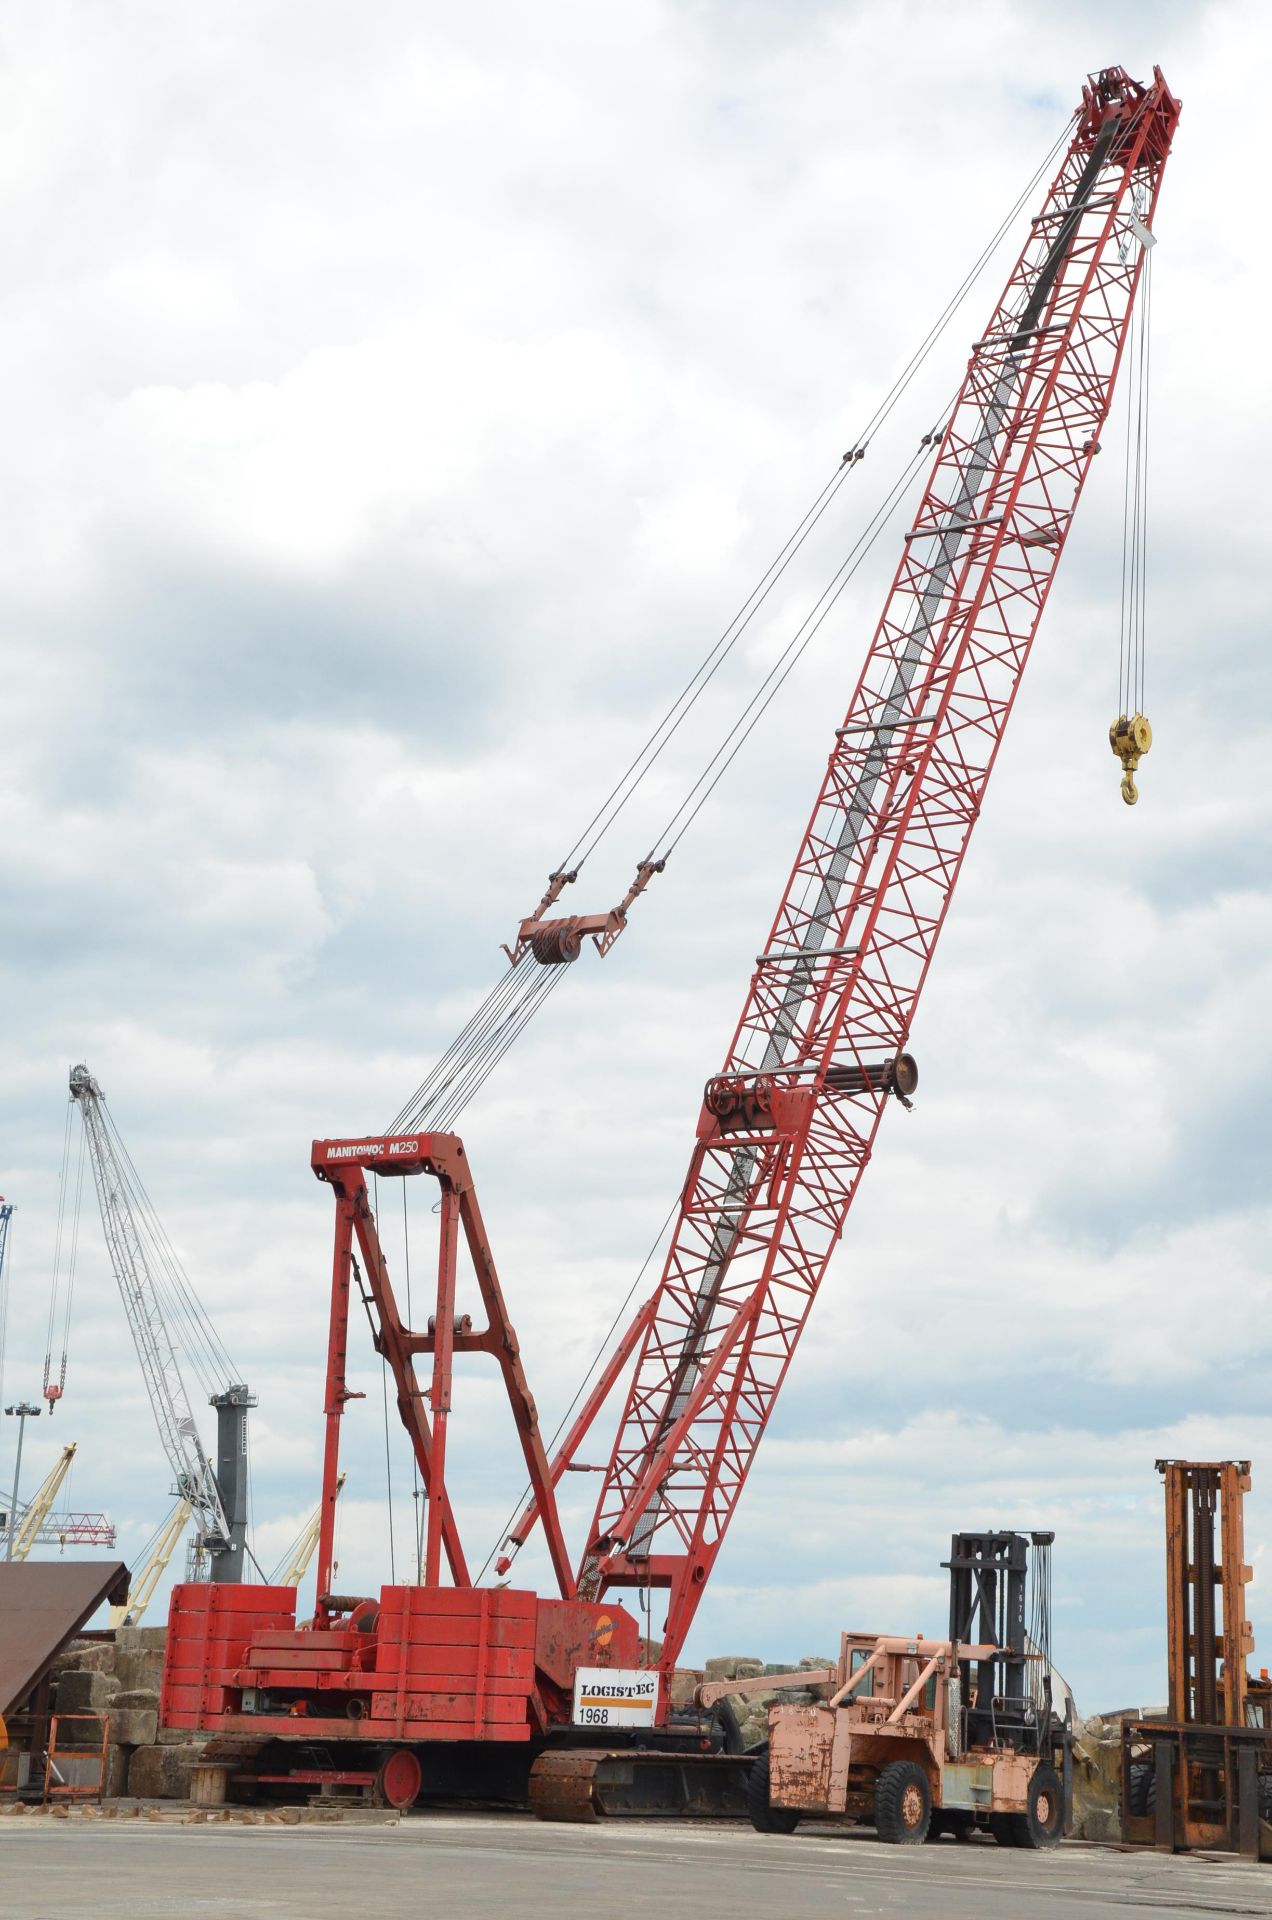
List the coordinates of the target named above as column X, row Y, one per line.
column 399, row 401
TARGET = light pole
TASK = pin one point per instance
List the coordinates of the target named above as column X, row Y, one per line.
column 25, row 1411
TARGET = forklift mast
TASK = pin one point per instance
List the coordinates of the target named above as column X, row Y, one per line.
column 989, row 1596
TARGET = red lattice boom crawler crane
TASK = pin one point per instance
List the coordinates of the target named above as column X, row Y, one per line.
column 786, row 1129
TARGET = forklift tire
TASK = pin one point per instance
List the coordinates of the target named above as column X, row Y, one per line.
column 1144, row 1788
column 1042, row 1823
column 903, row 1804
column 765, row 1818
column 957, row 1824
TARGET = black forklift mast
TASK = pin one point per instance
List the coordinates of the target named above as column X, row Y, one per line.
column 989, row 1580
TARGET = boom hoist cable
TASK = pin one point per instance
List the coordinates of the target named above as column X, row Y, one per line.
column 554, row 942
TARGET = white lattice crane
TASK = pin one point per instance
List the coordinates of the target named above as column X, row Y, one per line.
column 147, row 1270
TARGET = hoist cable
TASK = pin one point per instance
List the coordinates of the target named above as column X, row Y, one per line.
column 6, row 1268
column 506, row 1009
column 502, row 1018
column 54, row 1284
column 1132, row 621
column 549, row 979
column 735, row 739
column 709, row 666
column 384, row 1394
column 71, row 1262
column 470, row 1037
column 417, row 1509
column 1147, row 361
column 207, row 1351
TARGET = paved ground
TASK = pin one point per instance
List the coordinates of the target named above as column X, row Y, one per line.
column 471, row 1868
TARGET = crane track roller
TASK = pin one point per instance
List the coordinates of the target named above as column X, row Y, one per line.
column 580, row 1785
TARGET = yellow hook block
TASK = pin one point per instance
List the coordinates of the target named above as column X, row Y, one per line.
column 1130, row 741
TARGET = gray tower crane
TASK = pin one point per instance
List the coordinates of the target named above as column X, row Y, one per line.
column 147, row 1270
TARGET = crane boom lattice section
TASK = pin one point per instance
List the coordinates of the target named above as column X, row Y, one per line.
column 789, row 1125
column 178, row 1433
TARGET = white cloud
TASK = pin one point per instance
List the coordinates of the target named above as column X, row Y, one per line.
column 397, row 406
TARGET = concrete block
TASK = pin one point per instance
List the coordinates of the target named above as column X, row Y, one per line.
column 141, row 1639
column 134, row 1727
column 86, row 1656
column 733, row 1666
column 162, row 1773
column 138, row 1697
column 181, row 1736
column 116, row 1781
column 139, row 1669
column 684, row 1681
column 85, row 1691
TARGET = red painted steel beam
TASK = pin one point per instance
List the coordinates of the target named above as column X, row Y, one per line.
column 345, row 1165
column 832, row 1002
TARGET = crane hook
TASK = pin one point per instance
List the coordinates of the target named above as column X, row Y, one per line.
column 1130, row 741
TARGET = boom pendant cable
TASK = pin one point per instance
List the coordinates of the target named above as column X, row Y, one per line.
column 507, row 1010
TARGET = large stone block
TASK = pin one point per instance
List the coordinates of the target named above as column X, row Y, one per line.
column 137, row 1697
column 134, row 1726
column 733, row 1666
column 181, row 1736
column 85, row 1691
column 86, row 1656
column 163, row 1773
column 139, row 1667
column 116, row 1780
column 141, row 1639
column 684, row 1683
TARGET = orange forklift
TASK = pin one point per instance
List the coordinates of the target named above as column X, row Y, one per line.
column 922, row 1738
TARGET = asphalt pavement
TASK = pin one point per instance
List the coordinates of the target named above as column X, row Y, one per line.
column 471, row 1867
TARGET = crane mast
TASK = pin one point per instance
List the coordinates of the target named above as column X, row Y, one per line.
column 196, row 1482
column 788, row 1125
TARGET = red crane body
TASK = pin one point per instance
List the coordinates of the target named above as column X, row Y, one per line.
column 786, row 1127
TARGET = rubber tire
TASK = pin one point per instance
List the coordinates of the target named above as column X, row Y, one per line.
column 954, row 1824
column 725, row 1717
column 892, row 1790
column 1143, row 1788
column 763, row 1817
column 1027, row 1829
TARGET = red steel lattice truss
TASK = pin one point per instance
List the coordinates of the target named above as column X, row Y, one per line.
column 789, row 1125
